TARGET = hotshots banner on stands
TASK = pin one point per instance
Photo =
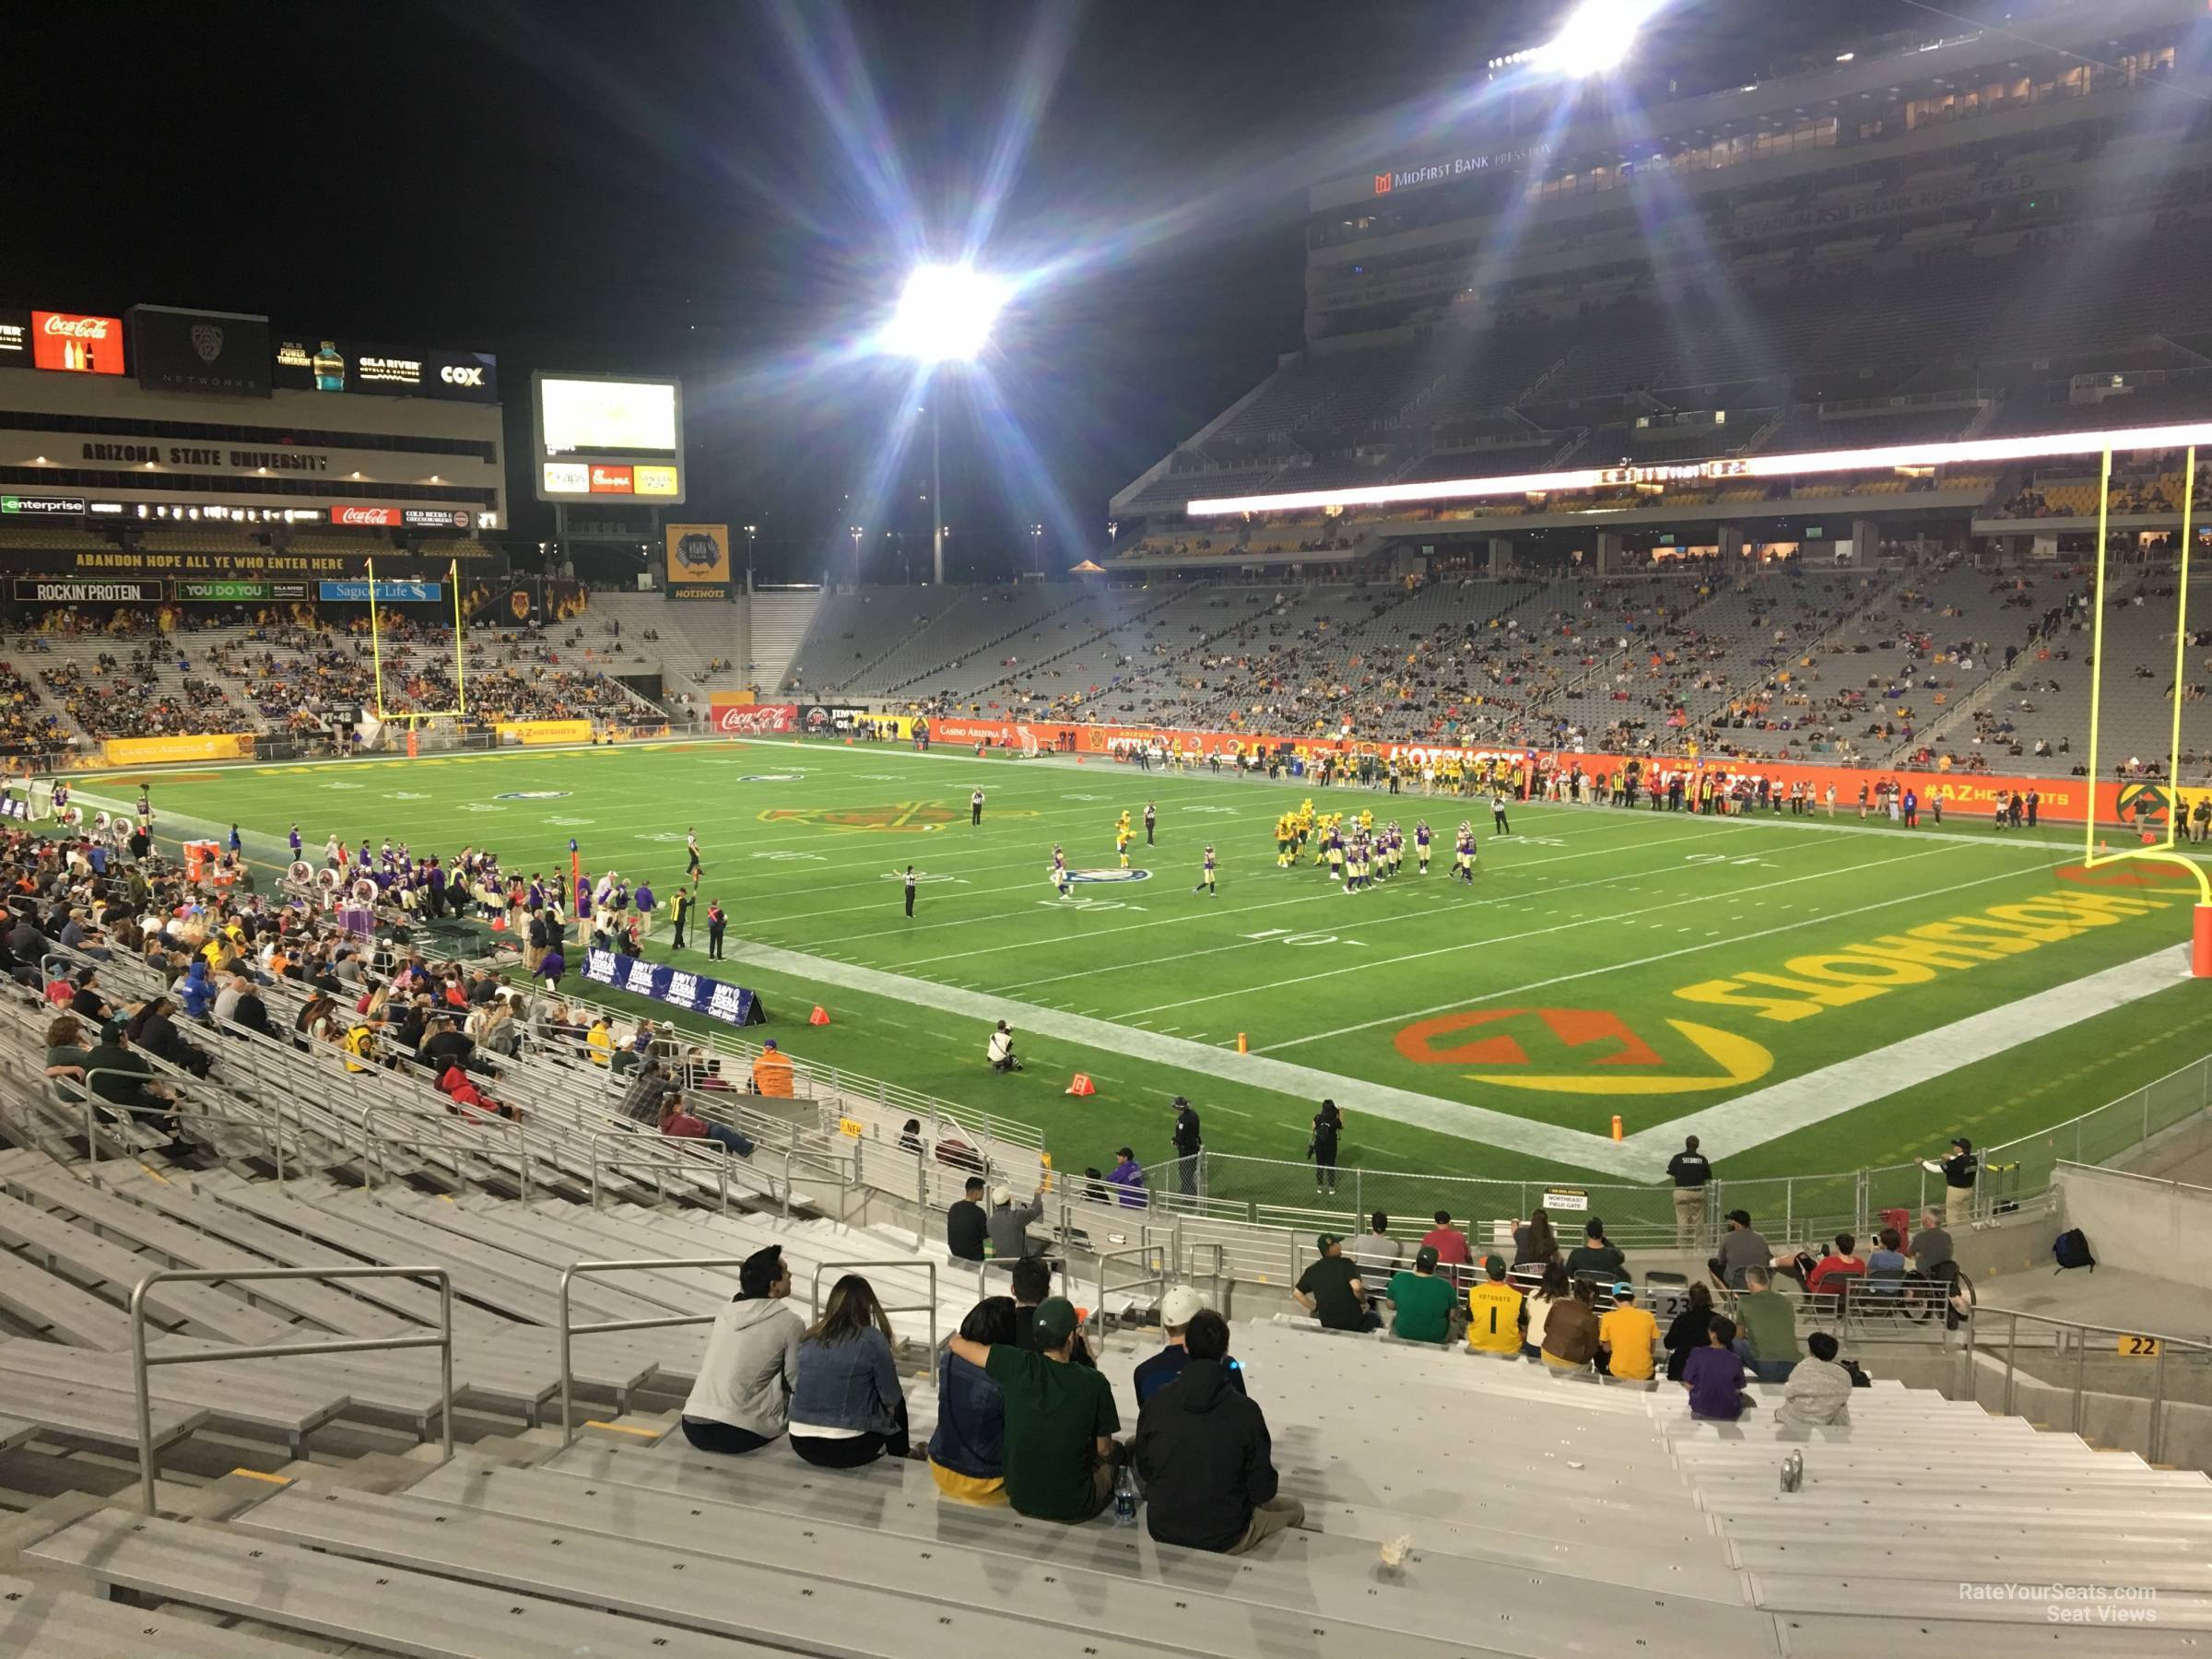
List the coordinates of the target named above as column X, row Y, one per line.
column 693, row 993
column 734, row 718
column 1968, row 794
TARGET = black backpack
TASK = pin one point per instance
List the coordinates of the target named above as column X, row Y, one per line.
column 2071, row 1248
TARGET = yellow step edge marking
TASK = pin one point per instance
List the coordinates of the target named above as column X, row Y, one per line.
column 257, row 1474
column 625, row 1429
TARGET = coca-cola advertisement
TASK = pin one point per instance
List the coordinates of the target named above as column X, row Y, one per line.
column 756, row 720
column 383, row 518
column 76, row 345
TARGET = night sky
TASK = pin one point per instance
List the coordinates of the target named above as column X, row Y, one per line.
column 732, row 192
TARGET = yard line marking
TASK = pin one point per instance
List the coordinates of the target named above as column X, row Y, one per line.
column 1511, row 1131
column 1536, row 932
column 1664, row 955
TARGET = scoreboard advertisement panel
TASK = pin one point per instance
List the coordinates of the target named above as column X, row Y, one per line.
column 601, row 437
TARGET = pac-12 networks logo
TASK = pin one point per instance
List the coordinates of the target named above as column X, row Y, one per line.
column 1604, row 1057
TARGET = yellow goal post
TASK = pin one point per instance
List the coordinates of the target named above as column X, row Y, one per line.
column 376, row 654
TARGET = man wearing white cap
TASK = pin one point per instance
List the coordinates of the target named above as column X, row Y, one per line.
column 1008, row 1227
column 1177, row 1308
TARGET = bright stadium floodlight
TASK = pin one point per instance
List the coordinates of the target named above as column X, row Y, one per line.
column 1595, row 37
column 944, row 314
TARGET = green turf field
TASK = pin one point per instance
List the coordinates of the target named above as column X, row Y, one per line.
column 1760, row 980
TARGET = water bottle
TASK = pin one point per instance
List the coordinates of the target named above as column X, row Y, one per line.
column 1125, row 1497
column 1792, row 1471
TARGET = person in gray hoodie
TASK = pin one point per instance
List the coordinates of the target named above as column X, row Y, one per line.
column 741, row 1400
column 1009, row 1227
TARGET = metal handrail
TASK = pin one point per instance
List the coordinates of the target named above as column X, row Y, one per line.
column 570, row 1332
column 373, row 1144
column 2154, row 1440
column 717, row 1159
column 814, row 1292
column 1150, row 1253
column 141, row 1361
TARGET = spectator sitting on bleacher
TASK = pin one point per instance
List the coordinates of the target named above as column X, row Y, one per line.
column 1009, row 1227
column 1740, row 1248
column 1714, row 1375
column 965, row 1223
column 1686, row 1335
column 741, row 1399
column 1495, row 1312
column 1571, row 1329
column 1533, row 1241
column 1421, row 1300
column 1595, row 1256
column 1060, row 1417
column 1551, row 1290
column 1626, row 1336
column 1331, row 1289
column 1202, row 1453
column 1177, row 1308
column 968, row 1448
column 1768, row 1321
column 114, row 1054
column 1448, row 1242
column 846, row 1405
column 1831, row 1274
column 66, row 1054
column 1376, row 1253
column 1032, row 1289
column 1819, row 1393
column 1931, row 1245
column 679, row 1124
column 641, row 1100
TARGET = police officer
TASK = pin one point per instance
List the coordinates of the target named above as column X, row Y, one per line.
column 910, row 891
column 716, row 921
column 1187, row 1146
column 1690, row 1170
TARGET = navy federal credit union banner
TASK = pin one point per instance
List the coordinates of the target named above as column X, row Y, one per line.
column 693, row 993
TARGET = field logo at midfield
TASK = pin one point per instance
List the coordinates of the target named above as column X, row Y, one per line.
column 532, row 795
column 1607, row 1057
column 901, row 818
column 1109, row 875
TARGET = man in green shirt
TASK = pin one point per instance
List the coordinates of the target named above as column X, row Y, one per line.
column 1331, row 1289
column 1422, row 1302
column 1769, row 1343
column 1060, row 1451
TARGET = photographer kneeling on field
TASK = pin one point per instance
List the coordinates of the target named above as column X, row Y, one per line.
column 999, row 1049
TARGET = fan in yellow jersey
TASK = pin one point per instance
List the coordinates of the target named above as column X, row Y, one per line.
column 1494, row 1313
column 1121, row 838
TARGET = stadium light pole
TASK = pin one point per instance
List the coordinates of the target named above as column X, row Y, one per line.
column 945, row 316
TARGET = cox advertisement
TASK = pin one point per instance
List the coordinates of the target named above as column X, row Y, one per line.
column 735, row 719
column 314, row 363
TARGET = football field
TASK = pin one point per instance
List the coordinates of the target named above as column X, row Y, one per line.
column 1806, row 995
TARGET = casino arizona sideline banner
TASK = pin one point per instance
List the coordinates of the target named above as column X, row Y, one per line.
column 693, row 993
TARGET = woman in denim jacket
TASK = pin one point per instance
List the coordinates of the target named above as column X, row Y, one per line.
column 847, row 1407
column 968, row 1453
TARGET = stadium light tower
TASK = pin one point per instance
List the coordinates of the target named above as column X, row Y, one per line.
column 943, row 316
column 1595, row 37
